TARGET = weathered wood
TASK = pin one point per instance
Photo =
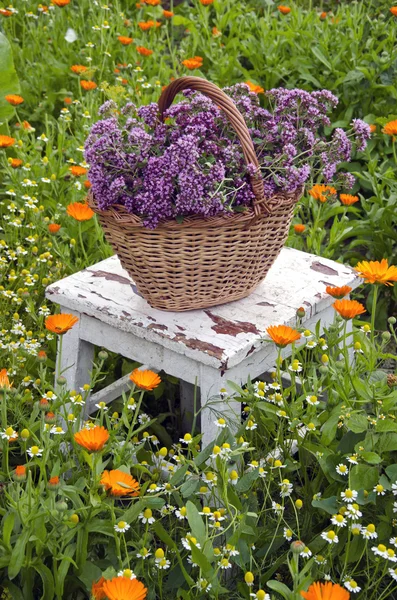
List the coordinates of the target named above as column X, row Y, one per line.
column 215, row 345
column 108, row 394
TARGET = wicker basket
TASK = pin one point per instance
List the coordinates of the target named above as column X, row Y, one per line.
column 202, row 262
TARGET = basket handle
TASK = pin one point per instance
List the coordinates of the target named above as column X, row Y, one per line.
column 235, row 118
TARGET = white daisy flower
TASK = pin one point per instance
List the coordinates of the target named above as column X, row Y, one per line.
column 147, row 516
column 369, row 532
column 35, row 451
column 143, row 553
column 220, row 423
column 352, row 586
column 122, row 527
column 393, row 573
column 306, row 552
column 353, row 512
column 342, row 470
column 338, row 520
column 379, row 490
column 9, row 434
column 349, row 495
column 163, row 564
column 330, row 537
column 380, row 550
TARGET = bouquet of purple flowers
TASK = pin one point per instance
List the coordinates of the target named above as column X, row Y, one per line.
column 193, row 164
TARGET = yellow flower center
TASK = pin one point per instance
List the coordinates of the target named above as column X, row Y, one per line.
column 147, row 513
column 121, row 524
column 159, row 553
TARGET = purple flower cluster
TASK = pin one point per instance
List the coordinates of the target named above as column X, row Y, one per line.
column 193, row 164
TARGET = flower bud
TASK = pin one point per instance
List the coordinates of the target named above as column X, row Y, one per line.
column 301, row 312
column 392, row 320
column 61, row 380
column 297, row 547
column 74, row 519
column 386, row 335
column 25, row 434
column 103, row 355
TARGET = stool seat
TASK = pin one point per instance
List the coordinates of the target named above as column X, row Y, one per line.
column 207, row 346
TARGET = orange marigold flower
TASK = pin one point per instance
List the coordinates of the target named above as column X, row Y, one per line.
column 4, row 381
column 27, row 126
column 87, row 184
column 323, row 15
column 77, row 171
column 372, row 128
column 54, row 228
column 61, row 323
column 348, row 199
column 390, row 128
column 145, row 25
column 79, row 211
column 14, row 99
column 61, row 3
column 257, row 89
column 126, row 41
column 348, row 309
column 377, row 272
column 120, row 483
column 193, row 63
column 144, row 51
column 6, row 141
column 168, row 14
column 97, row 590
column 393, row 10
column 19, row 473
column 322, row 192
column 282, row 335
column 284, row 9
column 146, row 380
column 16, row 162
column 299, row 228
column 92, row 439
column 152, row 2
column 122, row 588
column 5, row 13
column 325, row 591
column 216, row 32
column 206, row 2
column 53, row 483
column 338, row 292
column 79, row 69
column 88, row 85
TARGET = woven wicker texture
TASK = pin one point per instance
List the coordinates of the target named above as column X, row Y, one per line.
column 202, row 262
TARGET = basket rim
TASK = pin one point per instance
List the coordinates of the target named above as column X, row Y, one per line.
column 118, row 213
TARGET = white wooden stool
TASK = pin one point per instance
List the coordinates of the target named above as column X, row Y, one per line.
column 205, row 346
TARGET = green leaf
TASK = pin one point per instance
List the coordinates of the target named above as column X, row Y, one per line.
column 8, row 526
column 318, row 54
column 18, row 554
column 47, row 579
column 387, row 442
column 90, row 573
column 169, row 542
column 385, row 425
column 196, row 522
column 330, row 505
column 64, row 567
column 190, row 486
column 329, row 428
column 179, row 475
column 357, row 423
column 202, row 561
column 371, row 457
column 280, row 588
column 363, row 477
column 9, row 83
column 391, row 472
column 245, row 483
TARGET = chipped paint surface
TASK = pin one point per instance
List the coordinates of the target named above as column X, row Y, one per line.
column 221, row 337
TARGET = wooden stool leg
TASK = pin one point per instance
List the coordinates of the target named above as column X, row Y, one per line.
column 211, row 382
column 75, row 362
